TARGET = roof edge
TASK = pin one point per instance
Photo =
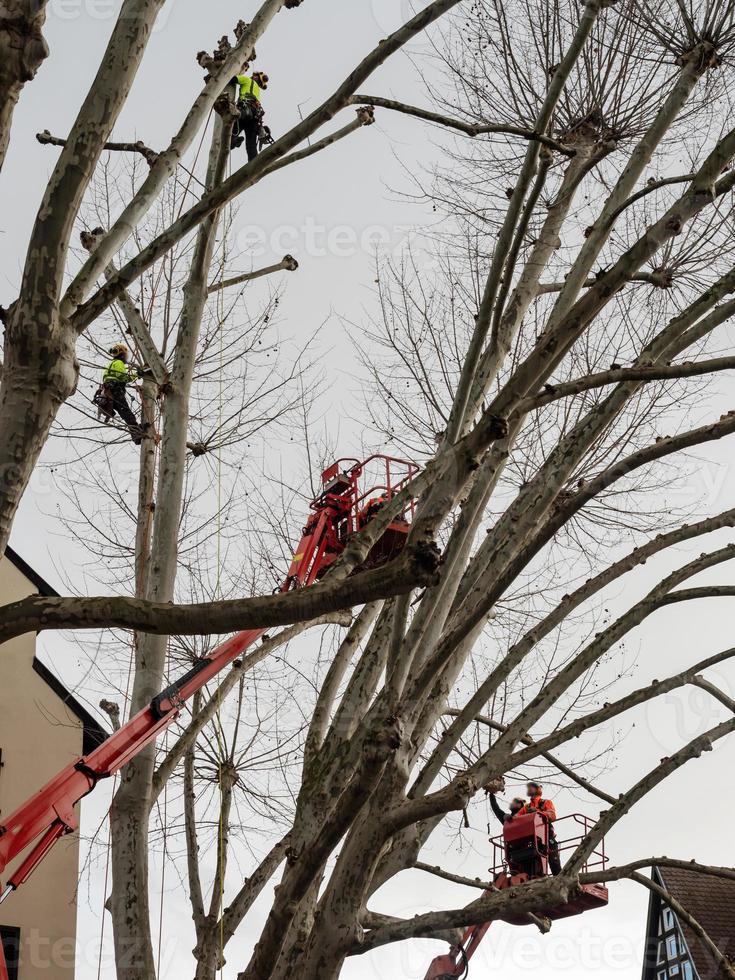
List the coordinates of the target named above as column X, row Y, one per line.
column 25, row 569
column 94, row 733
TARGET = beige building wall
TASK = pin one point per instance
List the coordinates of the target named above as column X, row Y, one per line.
column 39, row 734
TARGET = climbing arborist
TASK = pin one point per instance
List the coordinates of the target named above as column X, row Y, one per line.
column 249, row 126
column 112, row 397
column 537, row 804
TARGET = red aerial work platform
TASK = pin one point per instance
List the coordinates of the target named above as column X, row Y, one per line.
column 352, row 491
column 521, row 855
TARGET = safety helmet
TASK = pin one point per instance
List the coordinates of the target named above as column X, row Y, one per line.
column 260, row 78
column 120, row 350
column 532, row 782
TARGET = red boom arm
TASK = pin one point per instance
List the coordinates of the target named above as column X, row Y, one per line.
column 49, row 814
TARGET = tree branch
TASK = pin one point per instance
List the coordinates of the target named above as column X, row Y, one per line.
column 434, row 869
column 287, row 263
column 661, row 280
column 624, row 870
column 515, row 656
column 150, row 156
column 535, row 896
column 469, row 129
column 375, row 920
column 557, row 763
column 612, row 710
column 252, row 172
column 616, row 375
column 364, row 118
column 204, row 714
column 716, row 693
column 251, row 889
column 415, row 567
column 608, row 819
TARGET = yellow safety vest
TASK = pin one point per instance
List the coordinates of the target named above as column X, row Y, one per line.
column 117, row 371
column 249, row 89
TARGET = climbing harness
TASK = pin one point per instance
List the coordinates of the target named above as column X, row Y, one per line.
column 104, row 401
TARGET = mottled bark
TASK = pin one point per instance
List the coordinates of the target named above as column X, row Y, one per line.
column 40, row 367
column 22, row 52
column 131, row 807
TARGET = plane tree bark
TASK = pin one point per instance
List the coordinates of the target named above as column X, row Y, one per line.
column 42, row 326
column 23, row 50
column 545, row 368
column 519, row 351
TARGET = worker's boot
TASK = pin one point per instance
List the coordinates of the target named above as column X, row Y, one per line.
column 236, row 142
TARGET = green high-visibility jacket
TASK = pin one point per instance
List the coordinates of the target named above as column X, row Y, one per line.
column 249, row 89
column 117, row 370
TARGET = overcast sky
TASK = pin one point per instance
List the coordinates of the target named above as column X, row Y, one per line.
column 318, row 212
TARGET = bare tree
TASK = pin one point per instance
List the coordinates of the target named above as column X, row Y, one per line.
column 235, row 388
column 585, row 269
column 43, row 323
column 23, row 51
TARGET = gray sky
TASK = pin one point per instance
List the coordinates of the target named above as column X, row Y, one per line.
column 318, row 212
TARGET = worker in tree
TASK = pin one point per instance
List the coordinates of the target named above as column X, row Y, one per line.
column 515, row 806
column 114, row 381
column 537, row 804
column 249, row 126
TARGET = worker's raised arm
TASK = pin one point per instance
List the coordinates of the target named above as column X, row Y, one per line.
column 499, row 813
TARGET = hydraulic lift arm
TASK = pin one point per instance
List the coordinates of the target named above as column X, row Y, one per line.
column 50, row 813
column 455, row 964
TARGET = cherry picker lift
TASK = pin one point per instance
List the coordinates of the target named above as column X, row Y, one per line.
column 523, row 850
column 351, row 492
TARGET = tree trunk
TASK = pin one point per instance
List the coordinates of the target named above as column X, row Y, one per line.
column 22, row 52
column 40, row 371
column 131, row 810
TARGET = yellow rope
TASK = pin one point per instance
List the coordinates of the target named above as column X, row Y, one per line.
column 109, row 836
column 163, row 867
column 218, row 592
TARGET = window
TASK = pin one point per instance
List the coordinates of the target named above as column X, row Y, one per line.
column 671, row 948
column 668, row 920
column 673, row 969
column 661, row 953
column 11, row 948
column 661, row 975
column 688, row 971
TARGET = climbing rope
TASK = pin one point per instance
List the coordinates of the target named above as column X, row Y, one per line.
column 163, row 864
column 115, row 781
column 218, row 595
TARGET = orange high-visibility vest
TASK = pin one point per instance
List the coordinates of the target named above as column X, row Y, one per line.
column 541, row 806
